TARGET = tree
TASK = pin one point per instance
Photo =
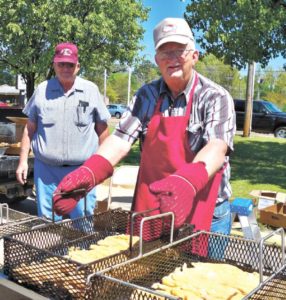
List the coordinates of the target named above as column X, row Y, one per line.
column 105, row 31
column 6, row 77
column 146, row 71
column 240, row 31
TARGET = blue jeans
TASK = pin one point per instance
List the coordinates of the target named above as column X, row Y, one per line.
column 46, row 179
column 221, row 223
column 222, row 218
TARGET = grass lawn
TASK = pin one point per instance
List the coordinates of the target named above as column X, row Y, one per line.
column 257, row 163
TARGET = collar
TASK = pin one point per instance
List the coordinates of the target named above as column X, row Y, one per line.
column 164, row 89
column 77, row 86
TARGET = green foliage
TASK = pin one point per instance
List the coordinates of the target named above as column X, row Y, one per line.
column 117, row 79
column 111, row 94
column 277, row 99
column 224, row 75
column 104, row 30
column 240, row 31
column 146, row 71
column 6, row 77
column 119, row 83
column 270, row 85
column 280, row 84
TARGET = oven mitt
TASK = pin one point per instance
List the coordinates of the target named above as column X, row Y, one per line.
column 176, row 192
column 94, row 171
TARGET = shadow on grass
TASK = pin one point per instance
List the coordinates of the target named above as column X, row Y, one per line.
column 259, row 162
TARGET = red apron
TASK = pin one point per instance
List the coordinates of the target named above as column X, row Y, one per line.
column 165, row 150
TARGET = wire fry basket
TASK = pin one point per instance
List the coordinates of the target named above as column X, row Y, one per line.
column 13, row 221
column 38, row 259
column 134, row 279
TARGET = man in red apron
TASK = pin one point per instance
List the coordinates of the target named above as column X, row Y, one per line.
column 186, row 125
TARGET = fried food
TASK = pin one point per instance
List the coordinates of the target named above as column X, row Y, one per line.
column 208, row 281
column 106, row 247
column 61, row 273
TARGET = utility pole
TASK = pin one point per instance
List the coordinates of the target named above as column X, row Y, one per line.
column 249, row 99
column 129, row 85
column 104, row 88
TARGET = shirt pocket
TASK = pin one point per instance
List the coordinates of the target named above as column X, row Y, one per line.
column 48, row 116
column 83, row 116
column 195, row 136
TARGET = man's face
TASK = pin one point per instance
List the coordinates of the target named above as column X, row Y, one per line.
column 176, row 61
column 66, row 72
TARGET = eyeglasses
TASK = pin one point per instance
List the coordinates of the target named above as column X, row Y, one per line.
column 66, row 64
column 168, row 54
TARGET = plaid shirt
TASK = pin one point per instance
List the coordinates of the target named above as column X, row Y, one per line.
column 212, row 117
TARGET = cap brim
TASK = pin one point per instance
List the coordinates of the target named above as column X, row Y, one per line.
column 174, row 39
column 65, row 59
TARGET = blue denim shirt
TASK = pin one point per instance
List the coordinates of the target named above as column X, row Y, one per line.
column 65, row 122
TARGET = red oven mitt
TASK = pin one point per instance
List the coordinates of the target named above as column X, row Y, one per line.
column 95, row 170
column 176, row 192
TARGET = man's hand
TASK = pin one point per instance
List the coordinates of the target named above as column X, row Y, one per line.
column 176, row 192
column 95, row 170
column 80, row 179
column 176, row 195
column 21, row 172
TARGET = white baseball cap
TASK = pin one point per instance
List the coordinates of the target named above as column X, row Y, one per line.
column 175, row 30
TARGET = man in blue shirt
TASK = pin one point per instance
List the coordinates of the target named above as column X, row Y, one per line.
column 67, row 120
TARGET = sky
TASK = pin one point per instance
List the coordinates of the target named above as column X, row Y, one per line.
column 161, row 9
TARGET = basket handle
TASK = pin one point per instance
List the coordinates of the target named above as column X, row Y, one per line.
column 261, row 244
column 1, row 212
column 158, row 216
column 142, row 222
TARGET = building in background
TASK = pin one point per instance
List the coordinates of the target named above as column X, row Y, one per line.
column 21, row 86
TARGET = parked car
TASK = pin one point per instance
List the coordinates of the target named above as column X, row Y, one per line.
column 266, row 117
column 116, row 110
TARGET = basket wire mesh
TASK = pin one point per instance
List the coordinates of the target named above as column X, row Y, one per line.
column 38, row 258
column 13, row 221
column 134, row 279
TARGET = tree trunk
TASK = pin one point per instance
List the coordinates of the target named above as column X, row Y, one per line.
column 30, row 85
column 249, row 99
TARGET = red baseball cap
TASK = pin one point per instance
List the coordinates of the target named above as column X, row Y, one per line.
column 66, row 52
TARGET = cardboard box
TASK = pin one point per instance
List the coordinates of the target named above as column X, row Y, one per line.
column 274, row 215
column 268, row 198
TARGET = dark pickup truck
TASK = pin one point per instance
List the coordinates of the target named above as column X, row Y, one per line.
column 266, row 117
